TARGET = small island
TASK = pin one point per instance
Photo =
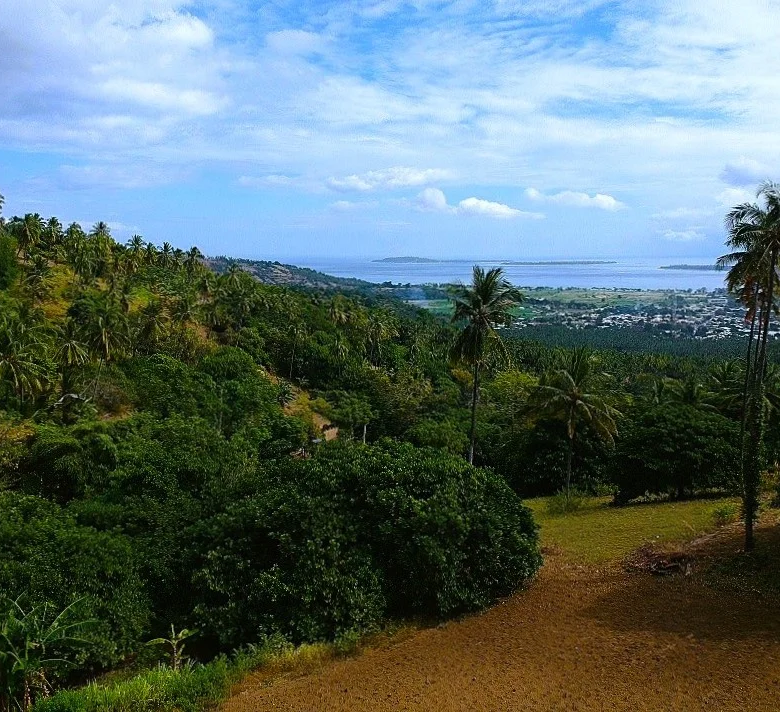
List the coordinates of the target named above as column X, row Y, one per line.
column 408, row 260
column 556, row 263
column 693, row 268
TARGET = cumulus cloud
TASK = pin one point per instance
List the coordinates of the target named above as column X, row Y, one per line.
column 434, row 200
column 690, row 235
column 577, row 200
column 734, row 196
column 744, row 171
column 387, row 179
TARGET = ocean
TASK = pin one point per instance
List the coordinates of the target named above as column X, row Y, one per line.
column 623, row 274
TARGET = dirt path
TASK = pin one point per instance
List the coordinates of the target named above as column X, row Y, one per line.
column 579, row 638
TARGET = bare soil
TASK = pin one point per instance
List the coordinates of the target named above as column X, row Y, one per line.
column 578, row 638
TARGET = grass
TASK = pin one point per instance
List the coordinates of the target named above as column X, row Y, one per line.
column 599, row 532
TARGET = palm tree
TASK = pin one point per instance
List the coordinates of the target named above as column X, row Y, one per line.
column 71, row 353
column 166, row 258
column 192, row 260
column 690, row 391
column 479, row 309
column 572, row 394
column 27, row 231
column 103, row 325
column 754, row 237
column 21, row 355
column 150, row 254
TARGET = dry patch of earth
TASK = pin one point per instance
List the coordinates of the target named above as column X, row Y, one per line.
column 580, row 637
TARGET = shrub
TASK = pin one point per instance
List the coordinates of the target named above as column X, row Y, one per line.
column 725, row 514
column 336, row 542
column 676, row 450
column 562, row 503
column 47, row 556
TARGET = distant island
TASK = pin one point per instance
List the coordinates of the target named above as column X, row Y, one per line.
column 409, row 260
column 560, row 262
column 516, row 263
column 696, row 268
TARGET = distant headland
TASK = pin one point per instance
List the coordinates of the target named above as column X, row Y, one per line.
column 695, row 268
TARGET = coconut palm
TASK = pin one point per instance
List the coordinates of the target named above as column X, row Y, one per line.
column 479, row 308
column 22, row 355
column 192, row 260
column 166, row 257
column 754, row 238
column 27, row 231
column 574, row 395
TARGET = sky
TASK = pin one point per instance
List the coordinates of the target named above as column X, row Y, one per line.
column 463, row 129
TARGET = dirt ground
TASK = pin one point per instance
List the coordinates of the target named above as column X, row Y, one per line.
column 578, row 638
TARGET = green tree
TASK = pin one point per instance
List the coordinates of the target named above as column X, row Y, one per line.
column 754, row 237
column 479, row 309
column 573, row 395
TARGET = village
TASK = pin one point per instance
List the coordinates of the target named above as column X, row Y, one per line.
column 697, row 314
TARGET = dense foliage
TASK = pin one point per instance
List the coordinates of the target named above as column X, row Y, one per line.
column 162, row 454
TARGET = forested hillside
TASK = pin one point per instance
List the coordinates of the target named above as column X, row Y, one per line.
column 163, row 466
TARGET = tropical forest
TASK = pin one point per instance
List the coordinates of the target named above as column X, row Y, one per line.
column 215, row 489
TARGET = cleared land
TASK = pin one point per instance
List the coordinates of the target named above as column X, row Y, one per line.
column 585, row 635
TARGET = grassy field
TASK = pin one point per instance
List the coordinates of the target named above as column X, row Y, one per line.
column 600, row 532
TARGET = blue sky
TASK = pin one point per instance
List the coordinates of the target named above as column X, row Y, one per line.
column 293, row 129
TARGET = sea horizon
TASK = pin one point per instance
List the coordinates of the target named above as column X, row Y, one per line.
column 553, row 272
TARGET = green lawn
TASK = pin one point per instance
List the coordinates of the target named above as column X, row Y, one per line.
column 599, row 532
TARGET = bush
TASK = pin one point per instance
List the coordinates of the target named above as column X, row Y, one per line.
column 47, row 556
column 337, row 542
column 562, row 503
column 725, row 514
column 676, row 450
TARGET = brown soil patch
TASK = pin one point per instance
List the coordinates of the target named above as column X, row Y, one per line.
column 579, row 638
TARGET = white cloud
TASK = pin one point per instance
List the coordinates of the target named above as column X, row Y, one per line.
column 689, row 235
column 490, row 209
column 434, row 200
column 734, row 196
column 577, row 200
column 745, row 171
column 387, row 179
column 346, row 206
column 162, row 96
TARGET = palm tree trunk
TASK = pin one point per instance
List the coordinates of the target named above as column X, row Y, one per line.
column 748, row 370
column 569, row 459
column 752, row 475
column 474, row 399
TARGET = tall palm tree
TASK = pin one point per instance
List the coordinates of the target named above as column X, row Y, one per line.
column 71, row 353
column 572, row 394
column 754, row 238
column 27, row 231
column 479, row 308
column 21, row 355
column 192, row 260
column 166, row 257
